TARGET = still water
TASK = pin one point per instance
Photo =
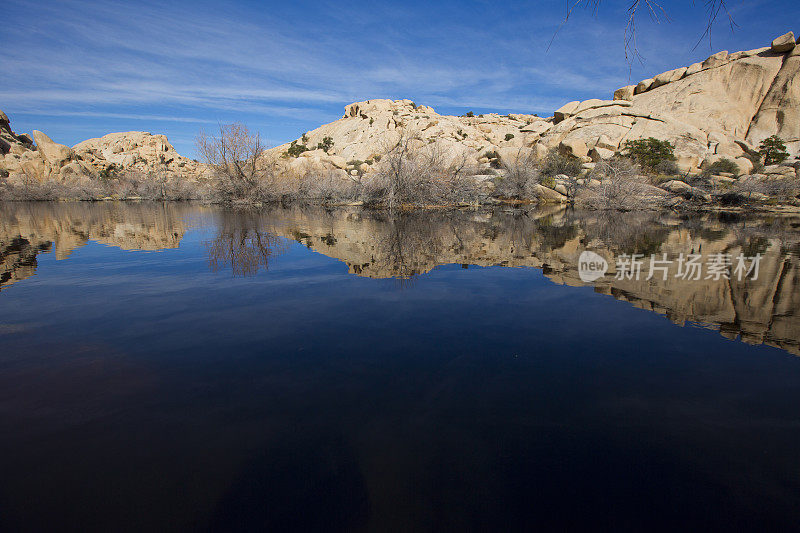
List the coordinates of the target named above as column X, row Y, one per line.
column 188, row 368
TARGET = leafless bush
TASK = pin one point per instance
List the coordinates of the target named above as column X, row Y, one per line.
column 411, row 174
column 234, row 154
column 522, row 173
column 751, row 188
column 621, row 187
column 25, row 187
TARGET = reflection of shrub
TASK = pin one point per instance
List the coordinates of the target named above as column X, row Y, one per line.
column 650, row 152
column 773, row 150
column 556, row 163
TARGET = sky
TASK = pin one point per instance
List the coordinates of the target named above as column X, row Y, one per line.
column 80, row 69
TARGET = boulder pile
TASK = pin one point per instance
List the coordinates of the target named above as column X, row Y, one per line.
column 37, row 156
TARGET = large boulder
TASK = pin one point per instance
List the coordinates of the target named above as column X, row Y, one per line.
column 574, row 147
column 784, row 43
column 55, row 154
column 547, row 195
column 677, row 186
column 625, row 93
column 565, row 111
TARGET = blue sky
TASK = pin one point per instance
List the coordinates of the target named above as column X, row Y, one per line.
column 80, row 69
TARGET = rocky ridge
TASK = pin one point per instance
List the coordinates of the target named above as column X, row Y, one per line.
column 38, row 157
column 722, row 107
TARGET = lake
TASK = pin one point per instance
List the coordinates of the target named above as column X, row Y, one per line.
column 179, row 367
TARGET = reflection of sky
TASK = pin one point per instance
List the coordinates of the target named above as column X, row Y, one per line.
column 145, row 381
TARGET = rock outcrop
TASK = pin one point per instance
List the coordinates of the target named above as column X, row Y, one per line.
column 39, row 157
column 369, row 128
column 721, row 107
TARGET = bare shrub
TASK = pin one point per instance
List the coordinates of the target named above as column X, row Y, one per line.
column 555, row 163
column 522, row 173
column 234, row 155
column 621, row 187
column 749, row 188
column 412, row 174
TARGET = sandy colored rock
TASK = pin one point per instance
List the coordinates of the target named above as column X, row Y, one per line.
column 564, row 111
column 625, row 93
column 784, row 43
column 716, row 60
column 677, row 186
column 643, row 86
column 54, row 153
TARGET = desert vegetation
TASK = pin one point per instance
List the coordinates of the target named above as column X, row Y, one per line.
column 409, row 171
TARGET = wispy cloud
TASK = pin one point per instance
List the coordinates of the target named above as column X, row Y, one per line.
column 175, row 66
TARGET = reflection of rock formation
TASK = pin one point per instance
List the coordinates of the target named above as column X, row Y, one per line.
column 760, row 311
column 27, row 229
column 377, row 245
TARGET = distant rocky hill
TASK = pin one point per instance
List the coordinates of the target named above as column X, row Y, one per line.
column 39, row 157
column 719, row 108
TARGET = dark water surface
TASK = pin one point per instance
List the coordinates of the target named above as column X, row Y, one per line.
column 179, row 367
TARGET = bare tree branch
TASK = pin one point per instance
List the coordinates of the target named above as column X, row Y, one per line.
column 657, row 13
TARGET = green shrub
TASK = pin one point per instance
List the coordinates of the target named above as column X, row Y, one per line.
column 326, row 144
column 295, row 149
column 469, row 114
column 548, row 181
column 723, row 165
column 773, row 150
column 305, row 138
column 650, row 152
column 556, row 163
column 509, row 136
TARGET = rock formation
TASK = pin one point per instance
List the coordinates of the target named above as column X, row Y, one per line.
column 39, row 157
column 721, row 107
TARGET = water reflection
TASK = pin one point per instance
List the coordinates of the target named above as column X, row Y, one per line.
column 406, row 245
column 241, row 244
